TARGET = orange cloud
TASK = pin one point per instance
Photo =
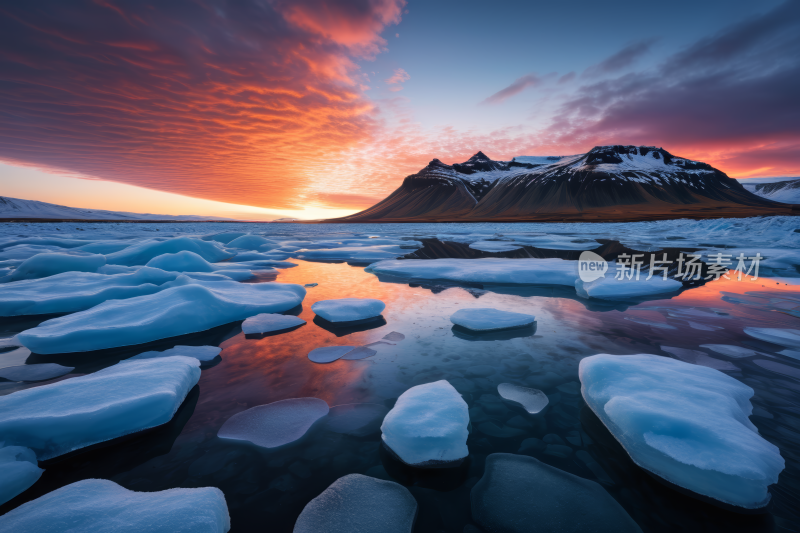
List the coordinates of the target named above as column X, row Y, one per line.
column 217, row 100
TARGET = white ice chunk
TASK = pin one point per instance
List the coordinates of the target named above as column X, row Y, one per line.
column 610, row 288
column 348, row 309
column 196, row 306
column 276, row 423
column 102, row 506
column 788, row 338
column 201, row 353
column 130, row 396
column 43, row 265
column 356, row 503
column 76, row 291
column 19, row 469
column 142, row 253
column 328, row 354
column 484, row 270
column 495, row 246
column 487, row 319
column 532, row 400
column 252, row 242
column 520, row 494
column 40, row 372
column 184, row 261
column 269, row 322
column 687, row 424
column 428, row 426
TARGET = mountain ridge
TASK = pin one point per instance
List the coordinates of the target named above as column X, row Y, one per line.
column 607, row 183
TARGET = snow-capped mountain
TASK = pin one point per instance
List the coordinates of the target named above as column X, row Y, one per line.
column 786, row 190
column 16, row 209
column 606, row 183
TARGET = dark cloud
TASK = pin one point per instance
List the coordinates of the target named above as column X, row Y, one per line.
column 215, row 99
column 519, row 85
column 734, row 91
column 621, row 60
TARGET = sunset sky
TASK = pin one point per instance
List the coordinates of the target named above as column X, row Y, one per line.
column 259, row 109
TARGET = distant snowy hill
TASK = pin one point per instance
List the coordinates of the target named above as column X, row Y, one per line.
column 786, row 190
column 620, row 183
column 14, row 208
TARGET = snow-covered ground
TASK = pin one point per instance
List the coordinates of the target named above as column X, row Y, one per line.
column 18, row 209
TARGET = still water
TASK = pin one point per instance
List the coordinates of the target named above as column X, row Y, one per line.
column 267, row 489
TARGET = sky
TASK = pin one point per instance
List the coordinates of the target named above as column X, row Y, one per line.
column 261, row 109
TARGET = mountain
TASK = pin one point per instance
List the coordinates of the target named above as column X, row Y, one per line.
column 608, row 183
column 786, row 190
column 16, row 209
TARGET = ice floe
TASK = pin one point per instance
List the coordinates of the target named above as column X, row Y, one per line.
column 183, row 261
column 74, row 413
column 276, row 423
column 141, row 253
column 19, row 469
column 348, row 309
column 487, row 319
column 699, row 358
column 269, row 323
column 201, row 353
column 532, row 400
column 428, row 426
column 788, row 338
column 495, row 246
column 737, row 352
column 518, row 493
column 252, row 242
column 44, row 265
column 484, row 270
column 77, row 291
column 195, row 306
column 328, row 354
column 102, row 506
column 39, row 372
column 610, row 288
column 394, row 336
column 358, row 503
column 356, row 254
column 685, row 423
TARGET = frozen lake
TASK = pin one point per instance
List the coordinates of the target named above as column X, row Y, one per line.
column 271, row 486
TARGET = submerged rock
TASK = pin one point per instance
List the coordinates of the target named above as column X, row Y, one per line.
column 428, row 426
column 687, row 424
column 102, row 506
column 487, row 319
column 356, row 503
column 276, row 423
column 348, row 309
column 532, row 400
column 519, row 494
column 125, row 398
column 19, row 470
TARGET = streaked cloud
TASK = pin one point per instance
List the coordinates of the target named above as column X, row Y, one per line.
column 519, row 85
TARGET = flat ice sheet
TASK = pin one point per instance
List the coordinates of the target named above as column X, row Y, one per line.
column 102, row 506
column 270, row 322
column 348, row 309
column 276, row 423
column 188, row 308
column 485, row 270
column 487, row 319
column 201, row 353
column 38, row 372
column 74, row 413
